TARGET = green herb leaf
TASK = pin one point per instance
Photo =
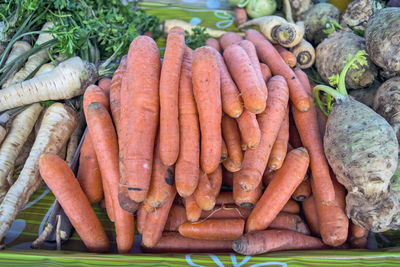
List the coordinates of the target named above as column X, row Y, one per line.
column 197, row 38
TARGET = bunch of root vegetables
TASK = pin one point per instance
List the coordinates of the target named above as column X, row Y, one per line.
column 208, row 153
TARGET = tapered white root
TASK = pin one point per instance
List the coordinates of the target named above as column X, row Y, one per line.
column 45, row 68
column 3, row 133
column 268, row 25
column 21, row 128
column 170, row 23
column 18, row 49
column 305, row 54
column 70, row 78
column 57, row 126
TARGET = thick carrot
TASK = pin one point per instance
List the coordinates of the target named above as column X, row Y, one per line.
column 249, row 129
column 173, row 242
column 155, row 223
column 255, row 160
column 193, row 211
column 148, row 207
column 140, row 116
column 245, row 199
column 279, row 190
column 61, row 180
column 95, row 94
column 266, row 72
column 141, row 218
column 232, row 103
column 105, row 144
column 224, row 198
column 230, row 165
column 125, row 201
column 228, row 39
column 231, row 134
column 240, row 15
column 279, row 149
column 213, row 229
column 206, row 88
column 230, row 211
column 162, row 180
column 252, row 53
column 216, row 181
column 227, row 178
column 303, row 191
column 245, row 77
column 169, row 88
column 268, row 54
column 214, row 43
column 224, row 150
column 286, row 55
column 105, row 85
column 310, row 213
column 288, row 221
column 275, row 240
column 291, row 207
column 187, row 166
column 204, row 194
column 176, row 217
column 115, row 93
column 357, row 236
column 89, row 175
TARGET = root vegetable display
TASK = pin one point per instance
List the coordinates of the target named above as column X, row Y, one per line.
column 358, row 13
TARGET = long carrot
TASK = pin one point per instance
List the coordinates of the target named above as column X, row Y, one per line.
column 141, row 218
column 204, row 194
column 268, row 176
column 169, row 88
column 279, row 190
column 193, row 211
column 187, row 166
column 268, row 54
column 115, row 93
column 249, row 129
column 206, row 88
column 105, row 85
column 173, row 242
column 294, row 136
column 244, row 75
column 266, row 72
column 279, row 149
column 275, row 240
column 231, row 134
column 303, row 191
column 139, row 117
column 106, row 146
column 230, row 165
column 245, row 199
column 216, row 181
column 288, row 221
column 213, row 229
column 291, row 207
column 61, row 180
column 176, row 217
column 255, row 160
column 310, row 213
column 286, row 55
column 214, row 43
column 155, row 223
column 229, row 38
column 224, row 150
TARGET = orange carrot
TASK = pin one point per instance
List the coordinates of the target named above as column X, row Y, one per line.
column 230, row 211
column 206, row 88
column 216, row 181
column 228, row 39
column 141, row 218
column 213, row 229
column 155, row 223
column 115, row 93
column 173, row 242
column 255, row 160
column 268, row 176
column 94, row 94
column 148, row 207
column 230, row 131
column 62, row 182
column 169, row 88
column 105, row 85
column 294, row 136
column 268, row 54
column 279, row 149
column 213, row 43
column 252, row 53
column 357, row 236
column 162, row 180
column 227, row 178
column 187, row 166
column 288, row 221
column 204, row 194
column 176, row 217
column 139, row 116
column 224, row 150
column 245, row 199
column 291, row 207
column 230, row 165
column 266, row 72
column 310, row 213
column 106, row 146
column 89, row 175
column 240, row 16
column 245, row 77
column 286, row 55
column 249, row 129
column 279, row 190
column 125, row 202
column 232, row 103
column 193, row 211
column 303, row 191
column 275, row 240
column 224, row 198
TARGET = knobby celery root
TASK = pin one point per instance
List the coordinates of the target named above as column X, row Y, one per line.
column 58, row 123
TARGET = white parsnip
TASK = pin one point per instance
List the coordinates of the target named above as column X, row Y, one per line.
column 3, row 133
column 25, row 150
column 36, row 59
column 18, row 49
column 70, row 78
column 45, row 68
column 58, row 124
column 21, row 127
column 75, row 138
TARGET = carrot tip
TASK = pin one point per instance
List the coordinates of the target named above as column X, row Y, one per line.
column 303, row 105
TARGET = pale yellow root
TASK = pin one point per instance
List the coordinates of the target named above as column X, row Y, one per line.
column 305, row 54
column 3, row 133
column 267, row 25
column 63, row 151
column 24, row 153
column 57, row 126
column 18, row 49
column 289, row 34
column 20, row 129
column 45, row 68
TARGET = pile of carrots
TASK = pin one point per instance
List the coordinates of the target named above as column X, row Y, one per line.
column 207, row 152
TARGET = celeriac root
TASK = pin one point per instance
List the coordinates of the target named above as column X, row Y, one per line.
column 18, row 49
column 57, row 126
